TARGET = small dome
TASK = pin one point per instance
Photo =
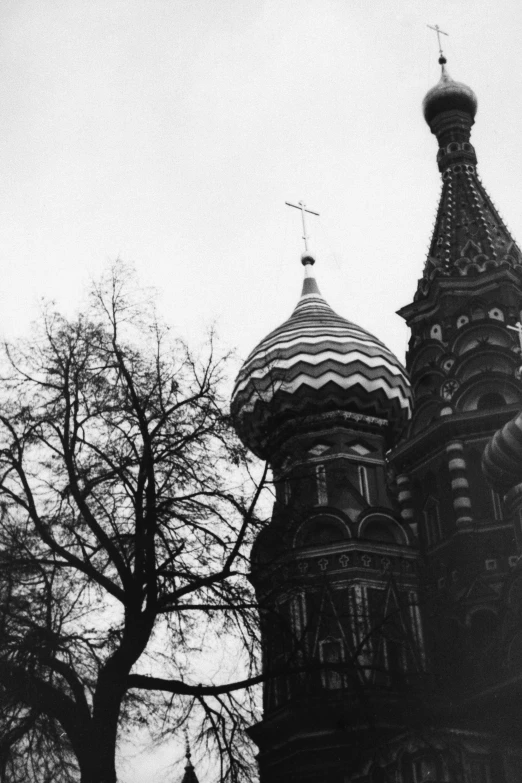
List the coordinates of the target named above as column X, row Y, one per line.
column 316, row 362
column 448, row 95
column 502, row 460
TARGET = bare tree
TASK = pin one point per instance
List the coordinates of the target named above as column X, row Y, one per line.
column 127, row 514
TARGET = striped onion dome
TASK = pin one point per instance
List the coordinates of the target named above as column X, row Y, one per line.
column 316, row 362
column 502, row 460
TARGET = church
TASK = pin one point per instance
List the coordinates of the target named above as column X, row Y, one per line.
column 389, row 577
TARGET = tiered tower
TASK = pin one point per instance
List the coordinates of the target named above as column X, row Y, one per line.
column 335, row 570
column 463, row 360
column 388, row 580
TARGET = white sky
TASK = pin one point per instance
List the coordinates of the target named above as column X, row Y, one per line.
column 171, row 132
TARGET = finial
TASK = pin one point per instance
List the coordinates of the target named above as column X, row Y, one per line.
column 306, row 257
column 442, row 59
column 307, row 260
column 188, row 754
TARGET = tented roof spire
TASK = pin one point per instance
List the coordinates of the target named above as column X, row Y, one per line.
column 190, row 774
column 469, row 235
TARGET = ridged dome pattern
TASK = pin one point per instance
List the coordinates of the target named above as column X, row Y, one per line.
column 502, row 460
column 315, row 362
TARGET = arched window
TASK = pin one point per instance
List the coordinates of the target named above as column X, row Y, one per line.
column 378, row 530
column 490, row 400
column 478, row 395
column 379, row 527
column 322, row 531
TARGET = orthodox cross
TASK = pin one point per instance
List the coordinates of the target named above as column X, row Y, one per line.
column 439, row 33
column 302, row 206
column 517, row 328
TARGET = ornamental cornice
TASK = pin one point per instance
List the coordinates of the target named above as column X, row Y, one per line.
column 352, row 562
column 457, row 286
column 419, row 448
column 294, row 428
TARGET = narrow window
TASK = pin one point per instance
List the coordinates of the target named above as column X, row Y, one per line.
column 364, row 483
column 497, row 506
column 432, row 522
column 287, row 491
column 322, row 495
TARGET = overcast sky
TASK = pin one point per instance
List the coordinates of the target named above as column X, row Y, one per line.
column 171, row 132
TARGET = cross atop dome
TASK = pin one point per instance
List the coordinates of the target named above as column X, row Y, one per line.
column 439, row 33
column 307, row 258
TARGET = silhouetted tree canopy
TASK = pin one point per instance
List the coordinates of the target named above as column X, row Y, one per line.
column 127, row 514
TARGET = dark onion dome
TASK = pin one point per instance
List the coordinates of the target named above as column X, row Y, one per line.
column 502, row 460
column 448, row 95
column 316, row 362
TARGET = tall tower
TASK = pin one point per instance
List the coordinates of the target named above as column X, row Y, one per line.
column 388, row 577
column 463, row 360
column 335, row 570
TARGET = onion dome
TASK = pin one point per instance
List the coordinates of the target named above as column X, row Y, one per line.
column 448, row 95
column 316, row 362
column 502, row 460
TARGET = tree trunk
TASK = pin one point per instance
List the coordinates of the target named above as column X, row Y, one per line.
column 98, row 759
column 98, row 763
